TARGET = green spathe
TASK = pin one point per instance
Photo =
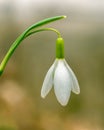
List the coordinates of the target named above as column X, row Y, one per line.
column 60, row 48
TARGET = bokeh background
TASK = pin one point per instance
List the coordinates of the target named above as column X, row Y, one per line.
column 21, row 107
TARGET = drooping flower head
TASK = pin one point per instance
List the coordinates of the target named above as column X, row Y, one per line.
column 61, row 77
column 60, row 74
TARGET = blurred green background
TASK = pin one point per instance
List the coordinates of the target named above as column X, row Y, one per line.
column 21, row 107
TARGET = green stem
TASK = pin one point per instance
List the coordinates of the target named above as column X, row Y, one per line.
column 25, row 34
column 44, row 29
column 45, row 21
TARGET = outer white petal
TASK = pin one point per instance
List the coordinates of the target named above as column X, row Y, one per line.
column 75, row 86
column 48, row 81
column 62, row 83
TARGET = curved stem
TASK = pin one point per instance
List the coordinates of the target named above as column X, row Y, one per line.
column 44, row 29
column 45, row 21
column 29, row 31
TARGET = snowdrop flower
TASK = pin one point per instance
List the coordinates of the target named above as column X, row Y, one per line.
column 61, row 76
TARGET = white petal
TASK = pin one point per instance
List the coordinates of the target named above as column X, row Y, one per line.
column 48, row 81
column 62, row 83
column 75, row 86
